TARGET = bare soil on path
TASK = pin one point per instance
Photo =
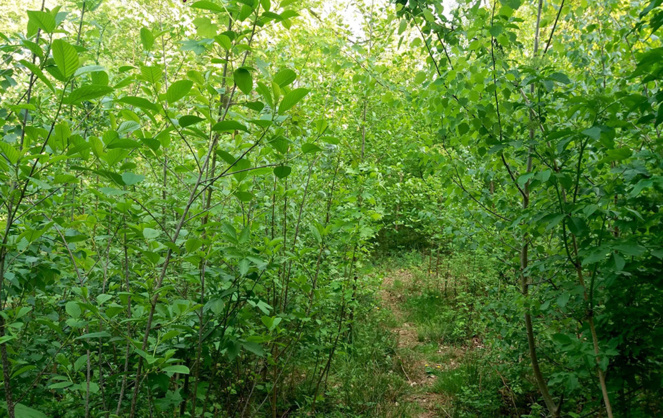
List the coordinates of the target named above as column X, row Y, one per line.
column 413, row 362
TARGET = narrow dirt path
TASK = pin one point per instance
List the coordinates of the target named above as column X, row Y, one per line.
column 414, row 363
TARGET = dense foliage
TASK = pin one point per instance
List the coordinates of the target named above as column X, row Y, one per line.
column 195, row 196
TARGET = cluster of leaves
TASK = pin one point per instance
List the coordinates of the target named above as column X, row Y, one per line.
column 182, row 229
column 547, row 123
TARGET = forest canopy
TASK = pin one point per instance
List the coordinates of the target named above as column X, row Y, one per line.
column 351, row 208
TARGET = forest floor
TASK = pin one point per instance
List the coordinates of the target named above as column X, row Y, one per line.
column 422, row 359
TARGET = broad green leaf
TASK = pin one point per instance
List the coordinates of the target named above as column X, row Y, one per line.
column 562, row 339
column 11, row 153
column 146, row 38
column 22, row 411
column 123, row 143
column 87, row 93
column 244, row 196
column 285, row 77
column 22, row 312
column 7, row 338
column 561, row 78
column 43, row 20
column 229, row 126
column 310, row 148
column 110, row 191
column 291, row 99
column 205, row 28
column 151, row 74
column 216, row 305
column 150, row 233
column 280, row 143
column 130, row 178
column 244, row 80
column 128, row 127
column 513, row 4
column 73, row 309
column 254, row 348
column 244, row 12
column 189, row 120
column 38, row 73
column 594, row 132
column 619, row 262
column 178, row 90
column 192, row 244
column 207, row 5
column 89, row 69
column 563, row 299
column 224, row 41
column 402, row 26
column 282, row 171
column 65, row 57
column 176, row 369
column 100, row 334
column 139, row 102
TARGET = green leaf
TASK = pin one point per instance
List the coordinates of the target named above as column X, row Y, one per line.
column 189, row 120
column 562, row 339
column 207, row 5
column 146, row 38
column 130, row 178
column 10, row 152
column 291, row 99
column 139, row 102
column 282, row 171
column 310, row 148
column 73, row 309
column 205, row 28
column 178, row 90
column 254, row 348
column 224, row 41
column 192, row 244
column 127, row 127
column 229, row 126
column 151, row 74
column 110, row 191
column 89, row 69
column 619, row 262
column 244, row 196
column 22, row 312
column 429, row 16
column 285, row 77
column 594, row 132
column 38, row 73
column 7, row 338
column 101, row 334
column 280, row 143
column 216, row 305
column 244, row 80
column 630, row 249
column 176, row 369
column 513, row 4
column 150, row 233
column 402, row 26
column 496, row 30
column 22, row 411
column 43, row 20
column 87, row 93
column 560, row 78
column 124, row 143
column 65, row 57
column 563, row 299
